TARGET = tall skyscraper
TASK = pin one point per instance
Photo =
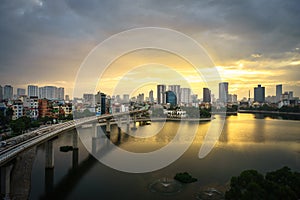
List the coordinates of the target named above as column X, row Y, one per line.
column 259, row 94
column 176, row 90
column 20, row 92
column 278, row 92
column 161, row 89
column 206, row 95
column 8, row 92
column 1, row 93
column 125, row 98
column 223, row 92
column 151, row 98
column 32, row 91
column 185, row 95
column 60, row 93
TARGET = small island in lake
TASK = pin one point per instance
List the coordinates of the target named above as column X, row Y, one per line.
column 184, row 178
column 66, row 148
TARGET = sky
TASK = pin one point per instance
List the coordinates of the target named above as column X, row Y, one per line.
column 250, row 42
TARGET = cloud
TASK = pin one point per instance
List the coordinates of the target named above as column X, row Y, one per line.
column 47, row 40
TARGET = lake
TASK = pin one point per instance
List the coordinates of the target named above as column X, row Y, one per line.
column 247, row 141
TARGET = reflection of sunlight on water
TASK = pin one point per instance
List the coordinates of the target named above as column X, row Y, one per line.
column 238, row 148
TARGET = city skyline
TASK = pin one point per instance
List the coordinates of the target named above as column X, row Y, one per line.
column 44, row 43
column 182, row 94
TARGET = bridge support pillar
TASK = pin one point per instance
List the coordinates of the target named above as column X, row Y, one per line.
column 75, row 150
column 5, row 180
column 134, row 122
column 119, row 129
column 127, row 124
column 107, row 126
column 49, row 154
column 94, row 145
column 49, row 179
column 49, row 166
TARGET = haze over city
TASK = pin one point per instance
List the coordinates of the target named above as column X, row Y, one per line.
column 250, row 42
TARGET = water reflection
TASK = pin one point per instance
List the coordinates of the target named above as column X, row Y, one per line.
column 245, row 142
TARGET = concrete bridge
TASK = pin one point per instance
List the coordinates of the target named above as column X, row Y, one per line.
column 46, row 135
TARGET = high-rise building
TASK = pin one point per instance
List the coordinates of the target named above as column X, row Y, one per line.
column 291, row 95
column 125, row 98
column 206, row 95
column 100, row 101
column 67, row 97
column 278, row 92
column 48, row 92
column 234, row 98
column 223, row 92
column 161, row 89
column 20, row 92
column 259, row 94
column 141, row 98
column 176, row 90
column 185, row 95
column 8, row 92
column 32, row 91
column 151, row 97
column 60, row 93
column 171, row 98
column 1, row 93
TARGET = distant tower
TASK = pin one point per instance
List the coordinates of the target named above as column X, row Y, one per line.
column 278, row 92
column 223, row 92
column 206, row 95
column 259, row 94
column 249, row 99
column 151, row 98
column 161, row 97
column 32, row 91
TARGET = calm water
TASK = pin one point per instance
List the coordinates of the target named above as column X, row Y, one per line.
column 247, row 142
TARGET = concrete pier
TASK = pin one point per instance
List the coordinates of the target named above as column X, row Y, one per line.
column 5, row 180
column 134, row 122
column 49, row 155
column 75, row 150
column 108, row 126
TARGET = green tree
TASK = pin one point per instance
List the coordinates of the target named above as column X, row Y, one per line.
column 280, row 184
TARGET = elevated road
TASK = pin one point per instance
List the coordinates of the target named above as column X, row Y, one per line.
column 20, row 143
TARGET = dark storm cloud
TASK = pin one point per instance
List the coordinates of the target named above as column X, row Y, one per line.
column 46, row 36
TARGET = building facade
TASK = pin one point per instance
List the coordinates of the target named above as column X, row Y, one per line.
column 176, row 90
column 151, row 97
column 32, row 91
column 259, row 94
column 171, row 98
column 206, row 95
column 278, row 92
column 223, row 92
column 185, row 95
column 161, row 90
column 8, row 92
column 20, row 92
